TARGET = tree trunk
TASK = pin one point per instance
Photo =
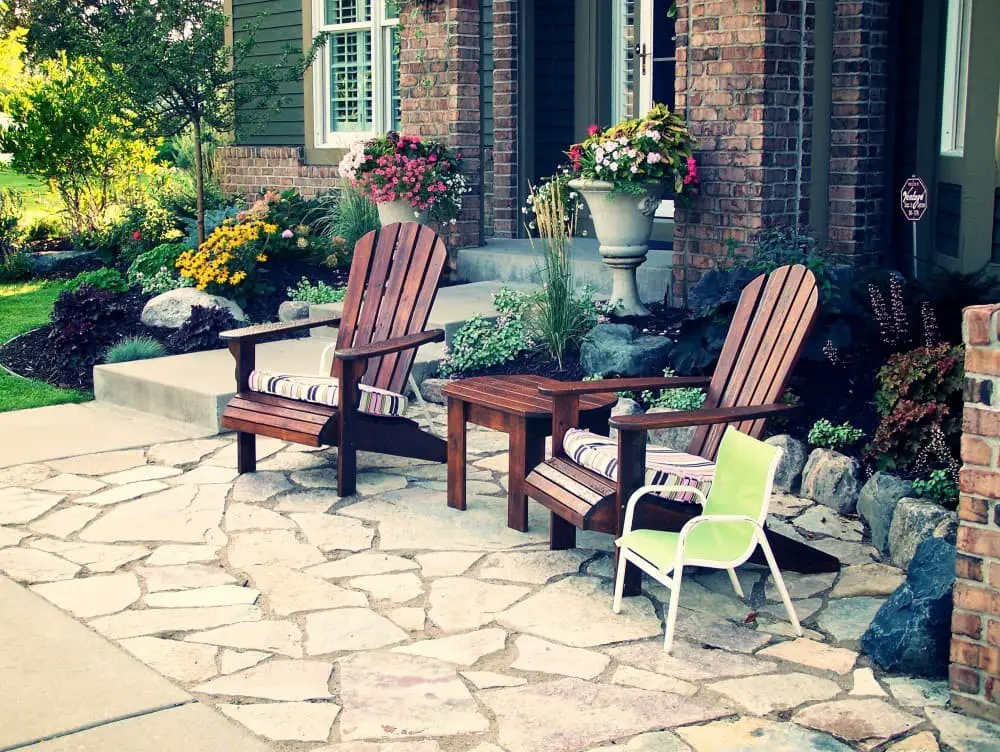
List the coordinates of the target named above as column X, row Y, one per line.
column 199, row 179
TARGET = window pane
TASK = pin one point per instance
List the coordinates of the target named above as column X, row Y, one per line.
column 391, row 9
column 351, row 81
column 348, row 11
column 956, row 76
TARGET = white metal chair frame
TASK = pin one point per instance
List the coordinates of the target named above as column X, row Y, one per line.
column 674, row 583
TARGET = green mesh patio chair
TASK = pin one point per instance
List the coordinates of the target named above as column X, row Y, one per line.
column 722, row 537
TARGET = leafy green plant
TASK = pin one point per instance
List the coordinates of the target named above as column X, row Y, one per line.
column 150, row 262
column 201, row 330
column 99, row 279
column 344, row 218
column 941, row 485
column 11, row 211
column 317, row 294
column 44, row 228
column 685, row 398
column 826, row 435
column 481, row 343
column 16, row 267
column 135, row 348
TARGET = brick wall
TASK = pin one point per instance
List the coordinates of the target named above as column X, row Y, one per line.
column 505, row 211
column 975, row 645
column 248, row 170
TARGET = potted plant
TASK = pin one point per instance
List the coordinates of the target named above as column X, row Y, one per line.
column 622, row 173
column 408, row 179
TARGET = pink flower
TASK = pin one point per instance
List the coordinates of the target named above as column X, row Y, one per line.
column 593, row 130
column 136, row 235
column 288, row 234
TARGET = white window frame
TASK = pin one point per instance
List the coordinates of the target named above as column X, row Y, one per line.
column 956, row 77
column 381, row 27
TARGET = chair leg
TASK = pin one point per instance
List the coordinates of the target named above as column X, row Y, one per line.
column 675, row 597
column 736, row 582
column 616, row 604
column 780, row 583
column 246, row 452
column 347, row 469
column 562, row 534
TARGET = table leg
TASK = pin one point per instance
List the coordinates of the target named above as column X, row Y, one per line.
column 527, row 449
column 456, row 453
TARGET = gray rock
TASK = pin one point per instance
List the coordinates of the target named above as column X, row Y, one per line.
column 913, row 521
column 293, row 310
column 876, row 502
column 431, row 389
column 832, row 479
column 675, row 438
column 911, row 632
column 793, row 461
column 171, row 309
column 620, row 349
column 624, row 406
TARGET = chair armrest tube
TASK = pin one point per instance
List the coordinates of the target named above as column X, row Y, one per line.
column 700, row 417
column 386, row 347
column 619, row 385
column 641, row 492
column 253, row 333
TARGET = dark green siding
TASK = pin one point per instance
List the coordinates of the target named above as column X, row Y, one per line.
column 486, row 9
column 281, row 26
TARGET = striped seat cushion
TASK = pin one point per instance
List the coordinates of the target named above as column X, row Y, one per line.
column 664, row 466
column 323, row 391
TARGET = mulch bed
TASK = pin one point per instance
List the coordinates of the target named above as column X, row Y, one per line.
column 665, row 320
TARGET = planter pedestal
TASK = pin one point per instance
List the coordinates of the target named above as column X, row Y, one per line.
column 399, row 211
column 623, row 224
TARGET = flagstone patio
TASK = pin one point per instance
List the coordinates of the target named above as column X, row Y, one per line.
column 387, row 621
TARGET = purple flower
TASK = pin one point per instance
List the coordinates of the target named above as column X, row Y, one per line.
column 288, row 234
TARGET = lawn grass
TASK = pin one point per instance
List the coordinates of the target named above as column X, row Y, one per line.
column 25, row 306
column 38, row 200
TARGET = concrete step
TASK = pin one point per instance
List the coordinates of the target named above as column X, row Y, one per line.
column 194, row 388
column 515, row 261
column 453, row 306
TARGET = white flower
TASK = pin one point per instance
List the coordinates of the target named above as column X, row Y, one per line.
column 453, row 221
column 572, row 194
column 599, row 154
column 653, row 157
column 634, row 169
column 613, row 165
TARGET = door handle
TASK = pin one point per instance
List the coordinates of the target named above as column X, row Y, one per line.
column 641, row 53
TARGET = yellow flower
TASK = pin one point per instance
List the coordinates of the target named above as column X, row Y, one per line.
column 261, row 257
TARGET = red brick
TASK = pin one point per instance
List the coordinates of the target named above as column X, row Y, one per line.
column 968, row 567
column 965, row 653
column 980, row 482
column 982, row 360
column 973, row 509
column 964, row 623
column 977, row 324
column 975, row 451
column 963, row 679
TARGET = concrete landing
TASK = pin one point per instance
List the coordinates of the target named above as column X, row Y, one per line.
column 515, row 261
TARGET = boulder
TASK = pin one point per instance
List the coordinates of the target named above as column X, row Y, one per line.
column 794, row 453
column 675, row 438
column 172, row 309
column 621, row 350
column 431, row 389
column 913, row 521
column 911, row 632
column 624, row 406
column 876, row 502
column 832, row 479
column 293, row 310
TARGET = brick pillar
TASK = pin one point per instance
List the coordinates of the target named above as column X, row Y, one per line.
column 440, row 91
column 858, row 129
column 975, row 643
column 744, row 85
column 506, row 213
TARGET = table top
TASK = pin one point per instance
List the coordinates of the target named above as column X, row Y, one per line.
column 517, row 395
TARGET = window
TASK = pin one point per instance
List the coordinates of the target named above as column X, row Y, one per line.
column 356, row 83
column 956, row 77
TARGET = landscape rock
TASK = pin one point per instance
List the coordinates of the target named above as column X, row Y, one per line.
column 914, row 521
column 622, row 350
column 674, row 438
column 911, row 632
column 431, row 390
column 794, row 454
column 172, row 309
column 624, row 406
column 832, row 479
column 876, row 502
column 293, row 310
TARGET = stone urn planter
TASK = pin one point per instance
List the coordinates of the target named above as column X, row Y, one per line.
column 399, row 210
column 623, row 223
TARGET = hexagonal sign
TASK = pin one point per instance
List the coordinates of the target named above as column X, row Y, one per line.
column 913, row 199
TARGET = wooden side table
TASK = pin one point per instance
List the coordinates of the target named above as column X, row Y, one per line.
column 513, row 405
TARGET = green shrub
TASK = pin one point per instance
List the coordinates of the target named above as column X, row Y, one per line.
column 685, row 398
column 317, row 294
column 481, row 343
column 826, row 435
column 344, row 218
column 135, row 348
column 44, row 228
column 16, row 267
column 941, row 485
column 11, row 211
column 100, row 279
column 139, row 228
column 156, row 270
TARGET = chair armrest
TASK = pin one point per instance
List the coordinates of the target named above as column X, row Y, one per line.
column 253, row 333
column 388, row 346
column 622, row 385
column 641, row 492
column 700, row 417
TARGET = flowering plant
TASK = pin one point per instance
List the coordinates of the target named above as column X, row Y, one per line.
column 425, row 174
column 295, row 217
column 656, row 147
column 227, row 261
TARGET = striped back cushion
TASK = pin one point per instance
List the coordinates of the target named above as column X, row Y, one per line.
column 323, row 391
column 664, row 466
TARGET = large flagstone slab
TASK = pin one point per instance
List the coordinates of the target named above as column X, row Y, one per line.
column 21, row 505
column 397, row 588
column 31, row 565
column 119, row 494
column 349, row 629
column 464, row 649
column 689, row 662
column 392, row 696
column 848, row 618
column 963, row 732
column 92, row 596
column 282, row 637
column 181, row 576
column 260, row 486
column 460, row 603
column 921, row 742
column 446, row 563
column 856, row 720
column 69, row 483
column 286, row 721
column 266, row 446
column 139, row 474
column 812, row 653
column 184, row 452
column 181, row 661
column 182, row 553
column 203, row 475
column 64, row 522
column 331, row 532
column 419, row 519
column 358, row 565
column 231, row 661
column 250, row 517
column 748, row 733
column 577, row 611
column 569, row 715
column 719, row 632
column 213, row 595
column 537, row 567
column 288, row 591
column 102, row 463
column 776, row 693
column 25, row 476
column 10, row 536
column 288, row 680
column 490, row 679
column 868, row 579
column 424, row 745
column 152, row 621
column 178, row 515
column 96, row 557
column 534, row 654
column 636, row 677
column 271, row 547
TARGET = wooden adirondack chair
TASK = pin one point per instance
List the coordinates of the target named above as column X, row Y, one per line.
column 391, row 288
column 769, row 329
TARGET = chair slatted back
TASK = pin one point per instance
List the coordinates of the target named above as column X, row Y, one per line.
column 391, row 288
column 773, row 318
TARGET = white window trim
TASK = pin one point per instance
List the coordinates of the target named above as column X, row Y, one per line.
column 956, row 77
column 381, row 67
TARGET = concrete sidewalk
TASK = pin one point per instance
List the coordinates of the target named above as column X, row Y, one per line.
column 63, row 688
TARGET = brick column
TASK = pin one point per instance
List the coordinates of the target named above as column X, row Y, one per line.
column 744, row 85
column 506, row 213
column 440, row 91
column 975, row 644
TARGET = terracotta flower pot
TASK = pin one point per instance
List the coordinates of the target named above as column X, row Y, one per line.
column 623, row 223
column 400, row 210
